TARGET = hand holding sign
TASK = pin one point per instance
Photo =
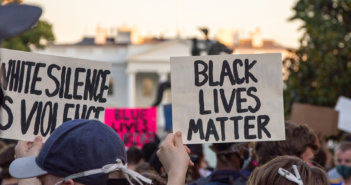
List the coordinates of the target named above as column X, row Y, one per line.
column 174, row 157
column 228, row 98
column 28, row 148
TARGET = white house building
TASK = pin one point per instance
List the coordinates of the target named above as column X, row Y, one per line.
column 112, row 53
column 147, row 66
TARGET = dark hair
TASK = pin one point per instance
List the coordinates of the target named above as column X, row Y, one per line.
column 268, row 173
column 196, row 152
column 148, row 149
column 321, row 157
column 155, row 163
column 298, row 138
column 196, row 156
column 134, row 155
column 345, row 145
column 220, row 147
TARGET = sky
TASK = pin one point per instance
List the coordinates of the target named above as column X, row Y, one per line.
column 73, row 19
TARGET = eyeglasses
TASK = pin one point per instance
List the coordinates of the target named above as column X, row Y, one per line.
column 119, row 166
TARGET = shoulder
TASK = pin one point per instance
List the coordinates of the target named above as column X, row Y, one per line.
column 224, row 177
column 334, row 174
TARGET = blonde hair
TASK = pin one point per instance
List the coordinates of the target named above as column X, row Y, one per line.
column 268, row 173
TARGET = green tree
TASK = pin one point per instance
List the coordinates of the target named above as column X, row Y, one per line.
column 320, row 71
column 37, row 37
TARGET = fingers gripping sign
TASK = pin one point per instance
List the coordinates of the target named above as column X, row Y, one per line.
column 28, row 148
column 174, row 157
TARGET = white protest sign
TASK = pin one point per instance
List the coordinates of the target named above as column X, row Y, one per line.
column 344, row 107
column 43, row 91
column 228, row 98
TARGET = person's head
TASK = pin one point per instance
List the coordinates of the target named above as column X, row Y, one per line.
column 196, row 153
column 196, row 156
column 74, row 147
column 148, row 149
column 230, row 155
column 134, row 156
column 300, row 142
column 156, row 164
column 268, row 173
column 343, row 159
column 343, row 154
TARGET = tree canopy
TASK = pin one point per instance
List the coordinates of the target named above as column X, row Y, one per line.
column 320, row 70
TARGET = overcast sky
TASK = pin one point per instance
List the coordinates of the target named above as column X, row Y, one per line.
column 73, row 19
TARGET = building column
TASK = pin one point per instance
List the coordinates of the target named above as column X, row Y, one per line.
column 131, row 89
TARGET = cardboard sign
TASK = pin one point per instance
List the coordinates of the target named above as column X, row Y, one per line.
column 344, row 107
column 134, row 126
column 322, row 120
column 167, row 111
column 42, row 92
column 228, row 98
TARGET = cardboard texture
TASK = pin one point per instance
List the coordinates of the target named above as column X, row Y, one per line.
column 228, row 98
column 43, row 91
column 344, row 107
column 323, row 120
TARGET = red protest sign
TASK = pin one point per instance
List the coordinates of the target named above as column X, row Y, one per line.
column 135, row 126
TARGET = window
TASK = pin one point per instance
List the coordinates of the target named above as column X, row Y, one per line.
column 148, row 86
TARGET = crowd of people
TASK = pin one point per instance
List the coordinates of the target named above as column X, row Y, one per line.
column 89, row 152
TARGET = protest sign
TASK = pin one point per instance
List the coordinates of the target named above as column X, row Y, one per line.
column 228, row 98
column 322, row 120
column 43, row 91
column 135, row 126
column 344, row 107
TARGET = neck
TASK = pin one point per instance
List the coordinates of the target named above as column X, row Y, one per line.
column 232, row 164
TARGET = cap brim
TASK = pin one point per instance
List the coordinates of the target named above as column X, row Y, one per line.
column 25, row 167
column 17, row 18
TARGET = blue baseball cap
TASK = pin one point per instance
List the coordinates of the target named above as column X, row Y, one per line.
column 74, row 147
column 16, row 18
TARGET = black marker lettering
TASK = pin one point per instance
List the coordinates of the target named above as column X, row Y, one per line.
column 195, row 127
column 262, row 121
column 56, row 81
column 248, row 126
column 248, row 74
column 202, row 104
column 258, row 102
column 198, row 73
column 211, row 130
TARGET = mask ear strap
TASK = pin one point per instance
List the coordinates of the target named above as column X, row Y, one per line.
column 289, row 176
